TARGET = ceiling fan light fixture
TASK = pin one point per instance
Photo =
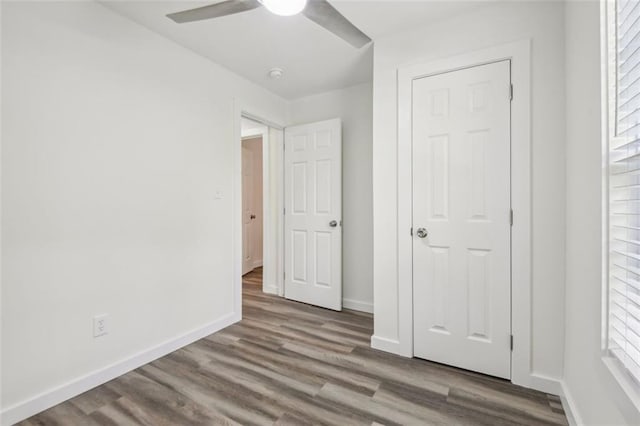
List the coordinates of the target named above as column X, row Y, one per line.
column 284, row 7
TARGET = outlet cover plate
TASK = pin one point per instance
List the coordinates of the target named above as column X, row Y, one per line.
column 100, row 325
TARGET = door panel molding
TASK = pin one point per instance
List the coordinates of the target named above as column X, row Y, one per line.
column 313, row 210
column 520, row 55
column 462, row 266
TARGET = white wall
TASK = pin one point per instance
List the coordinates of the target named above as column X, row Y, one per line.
column 490, row 25
column 595, row 397
column 354, row 106
column 115, row 141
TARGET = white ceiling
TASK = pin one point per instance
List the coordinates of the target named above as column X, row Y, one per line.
column 379, row 18
column 313, row 59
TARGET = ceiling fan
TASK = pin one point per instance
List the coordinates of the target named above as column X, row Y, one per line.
column 319, row 11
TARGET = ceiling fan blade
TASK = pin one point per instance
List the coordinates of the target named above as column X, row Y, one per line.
column 228, row 7
column 325, row 15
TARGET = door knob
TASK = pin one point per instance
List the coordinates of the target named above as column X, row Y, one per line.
column 422, row 233
column 253, row 216
column 333, row 224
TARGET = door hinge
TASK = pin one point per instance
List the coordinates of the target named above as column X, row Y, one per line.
column 511, row 217
column 512, row 342
column 411, row 232
column 510, row 92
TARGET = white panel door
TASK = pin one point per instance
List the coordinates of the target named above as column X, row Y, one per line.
column 461, row 218
column 313, row 213
column 247, row 208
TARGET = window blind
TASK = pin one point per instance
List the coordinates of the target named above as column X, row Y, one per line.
column 624, row 189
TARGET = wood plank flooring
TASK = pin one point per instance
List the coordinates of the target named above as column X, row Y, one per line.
column 288, row 363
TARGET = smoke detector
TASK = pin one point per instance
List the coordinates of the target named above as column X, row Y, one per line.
column 276, row 73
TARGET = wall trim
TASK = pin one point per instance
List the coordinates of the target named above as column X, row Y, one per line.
column 61, row 393
column 557, row 387
column 272, row 244
column 357, row 305
column 388, row 345
column 270, row 289
column 545, row 384
column 519, row 53
column 569, row 405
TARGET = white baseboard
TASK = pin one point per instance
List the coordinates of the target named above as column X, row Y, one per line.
column 545, row 384
column 54, row 396
column 569, row 405
column 387, row 345
column 270, row 289
column 357, row 305
column 557, row 387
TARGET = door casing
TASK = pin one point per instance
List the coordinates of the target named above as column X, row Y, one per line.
column 519, row 53
column 273, row 203
column 273, row 231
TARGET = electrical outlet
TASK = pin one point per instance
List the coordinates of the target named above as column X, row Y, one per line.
column 100, row 325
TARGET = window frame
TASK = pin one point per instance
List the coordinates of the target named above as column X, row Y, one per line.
column 609, row 79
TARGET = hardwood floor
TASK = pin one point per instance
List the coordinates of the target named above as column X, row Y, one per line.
column 288, row 363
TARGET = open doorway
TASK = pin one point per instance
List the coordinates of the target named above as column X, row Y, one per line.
column 291, row 191
column 293, row 216
column 254, row 191
column 252, row 205
column 259, row 204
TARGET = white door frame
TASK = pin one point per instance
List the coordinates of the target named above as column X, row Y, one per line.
column 519, row 54
column 272, row 241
